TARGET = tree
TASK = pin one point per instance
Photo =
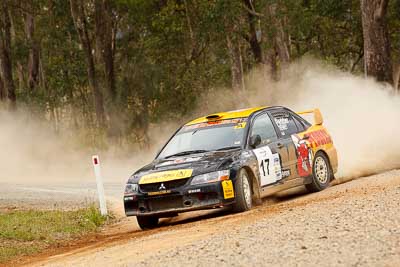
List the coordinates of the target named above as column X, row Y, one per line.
column 5, row 54
column 2, row 92
column 81, row 25
column 33, row 58
column 235, row 57
column 254, row 38
column 105, row 42
column 377, row 59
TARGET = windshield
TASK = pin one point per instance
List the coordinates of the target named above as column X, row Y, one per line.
column 204, row 137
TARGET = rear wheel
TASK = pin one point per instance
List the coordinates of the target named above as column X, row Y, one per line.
column 147, row 222
column 322, row 173
column 243, row 192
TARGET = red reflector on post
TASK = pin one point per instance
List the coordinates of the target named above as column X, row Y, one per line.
column 95, row 161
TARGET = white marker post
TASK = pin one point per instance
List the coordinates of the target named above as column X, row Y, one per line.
column 100, row 187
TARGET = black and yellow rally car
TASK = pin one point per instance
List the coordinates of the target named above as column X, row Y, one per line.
column 233, row 159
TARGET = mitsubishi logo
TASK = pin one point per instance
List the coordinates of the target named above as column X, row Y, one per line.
column 162, row 187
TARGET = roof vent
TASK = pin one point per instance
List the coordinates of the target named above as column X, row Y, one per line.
column 213, row 117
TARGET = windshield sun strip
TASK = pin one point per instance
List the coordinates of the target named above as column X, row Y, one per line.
column 210, row 124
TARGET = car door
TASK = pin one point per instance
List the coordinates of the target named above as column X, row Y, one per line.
column 270, row 157
column 286, row 127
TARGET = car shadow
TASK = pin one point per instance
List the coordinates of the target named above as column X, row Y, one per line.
column 195, row 216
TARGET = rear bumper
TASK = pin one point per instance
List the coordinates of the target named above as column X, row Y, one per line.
column 186, row 199
column 333, row 158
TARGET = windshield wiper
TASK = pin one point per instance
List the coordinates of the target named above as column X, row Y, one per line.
column 187, row 153
column 228, row 148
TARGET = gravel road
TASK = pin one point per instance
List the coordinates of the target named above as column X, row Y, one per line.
column 352, row 224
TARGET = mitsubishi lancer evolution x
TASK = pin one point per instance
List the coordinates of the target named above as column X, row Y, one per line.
column 232, row 159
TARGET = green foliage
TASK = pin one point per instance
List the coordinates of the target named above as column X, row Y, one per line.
column 48, row 225
column 27, row 232
column 167, row 53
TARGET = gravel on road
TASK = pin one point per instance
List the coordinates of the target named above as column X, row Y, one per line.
column 352, row 224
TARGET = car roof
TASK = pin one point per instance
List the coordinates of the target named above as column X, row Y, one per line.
column 234, row 114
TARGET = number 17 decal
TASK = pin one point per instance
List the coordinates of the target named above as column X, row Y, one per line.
column 269, row 165
column 262, row 166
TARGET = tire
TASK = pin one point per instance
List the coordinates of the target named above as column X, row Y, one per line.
column 322, row 173
column 243, row 192
column 147, row 222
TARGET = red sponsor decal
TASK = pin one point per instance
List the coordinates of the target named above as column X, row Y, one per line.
column 304, row 151
column 319, row 138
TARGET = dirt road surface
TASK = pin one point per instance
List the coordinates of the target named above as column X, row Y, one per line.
column 356, row 223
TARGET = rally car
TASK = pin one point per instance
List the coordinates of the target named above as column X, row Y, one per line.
column 232, row 159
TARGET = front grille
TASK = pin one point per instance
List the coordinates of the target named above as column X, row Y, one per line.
column 165, row 203
column 168, row 185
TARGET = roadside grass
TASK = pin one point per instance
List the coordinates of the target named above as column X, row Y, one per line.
column 27, row 232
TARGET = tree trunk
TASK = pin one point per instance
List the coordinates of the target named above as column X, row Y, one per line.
column 254, row 41
column 235, row 57
column 396, row 76
column 5, row 54
column 191, row 54
column 79, row 17
column 2, row 91
column 33, row 58
column 104, row 43
column 272, row 61
column 281, row 38
column 377, row 59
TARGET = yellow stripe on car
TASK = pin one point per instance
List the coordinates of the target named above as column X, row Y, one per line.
column 165, row 176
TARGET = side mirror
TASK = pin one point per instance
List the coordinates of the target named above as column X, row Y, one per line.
column 255, row 140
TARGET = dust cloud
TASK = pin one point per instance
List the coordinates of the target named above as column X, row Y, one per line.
column 32, row 153
column 362, row 116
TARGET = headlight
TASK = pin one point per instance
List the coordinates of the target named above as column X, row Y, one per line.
column 210, row 177
column 131, row 188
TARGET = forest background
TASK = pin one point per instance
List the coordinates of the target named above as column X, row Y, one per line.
column 105, row 71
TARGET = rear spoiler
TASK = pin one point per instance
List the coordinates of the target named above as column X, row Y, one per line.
column 318, row 120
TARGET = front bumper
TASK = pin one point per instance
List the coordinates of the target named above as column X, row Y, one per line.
column 188, row 198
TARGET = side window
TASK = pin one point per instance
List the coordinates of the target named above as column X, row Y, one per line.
column 263, row 126
column 299, row 124
column 285, row 123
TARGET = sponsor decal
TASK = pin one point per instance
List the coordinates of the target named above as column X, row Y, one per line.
column 282, row 123
column 165, row 176
column 304, row 149
column 240, row 125
column 192, row 191
column 159, row 193
column 319, row 138
column 285, row 173
column 304, row 156
column 227, row 187
column 241, row 122
column 177, row 161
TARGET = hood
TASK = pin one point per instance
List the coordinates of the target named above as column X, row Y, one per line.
column 199, row 163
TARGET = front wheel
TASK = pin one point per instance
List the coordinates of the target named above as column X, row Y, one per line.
column 322, row 173
column 243, row 192
column 147, row 222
